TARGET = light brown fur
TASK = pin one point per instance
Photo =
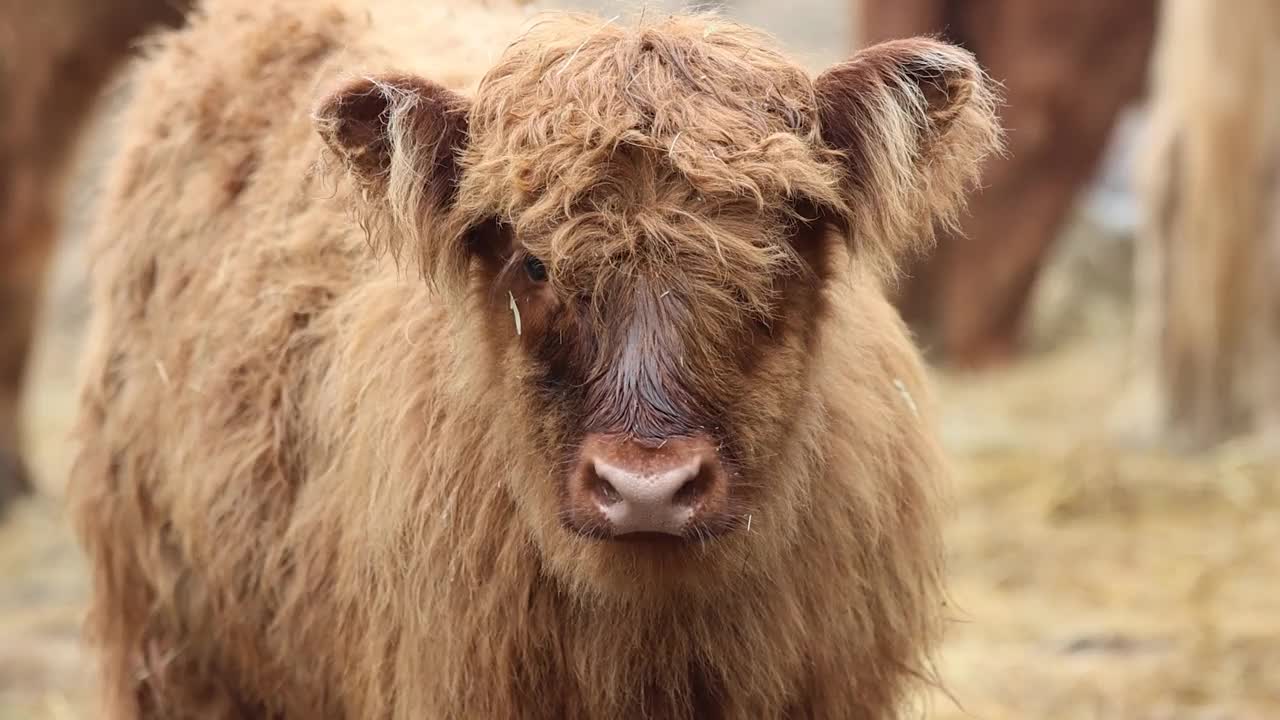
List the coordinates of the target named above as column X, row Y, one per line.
column 313, row 485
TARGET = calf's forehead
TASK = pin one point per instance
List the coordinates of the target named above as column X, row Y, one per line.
column 576, row 102
column 606, row 68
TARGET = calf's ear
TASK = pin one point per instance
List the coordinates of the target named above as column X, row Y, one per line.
column 911, row 122
column 399, row 139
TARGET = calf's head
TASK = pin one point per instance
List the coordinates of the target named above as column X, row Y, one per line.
column 639, row 225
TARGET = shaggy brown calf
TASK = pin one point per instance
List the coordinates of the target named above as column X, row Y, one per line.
column 55, row 56
column 647, row 442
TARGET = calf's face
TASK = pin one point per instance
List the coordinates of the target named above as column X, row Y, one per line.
column 660, row 352
column 642, row 221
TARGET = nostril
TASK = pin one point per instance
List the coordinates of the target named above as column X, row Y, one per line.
column 603, row 490
column 606, row 492
column 693, row 489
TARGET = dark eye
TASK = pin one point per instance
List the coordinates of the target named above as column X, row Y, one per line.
column 534, row 268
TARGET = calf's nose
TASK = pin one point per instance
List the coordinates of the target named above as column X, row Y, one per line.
column 638, row 501
column 647, row 489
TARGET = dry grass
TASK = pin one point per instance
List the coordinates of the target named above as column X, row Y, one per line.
column 1098, row 581
column 42, row 589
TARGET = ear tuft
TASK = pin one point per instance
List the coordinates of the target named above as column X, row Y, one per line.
column 399, row 138
column 372, row 123
column 912, row 121
column 353, row 122
column 945, row 89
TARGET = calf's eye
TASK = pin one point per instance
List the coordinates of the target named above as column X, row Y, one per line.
column 534, row 268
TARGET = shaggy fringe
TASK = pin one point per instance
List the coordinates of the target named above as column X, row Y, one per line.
column 575, row 111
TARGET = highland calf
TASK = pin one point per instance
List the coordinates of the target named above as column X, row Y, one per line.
column 594, row 409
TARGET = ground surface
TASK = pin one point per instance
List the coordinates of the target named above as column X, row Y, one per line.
column 1093, row 577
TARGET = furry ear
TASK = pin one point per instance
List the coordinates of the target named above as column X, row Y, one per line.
column 399, row 137
column 912, row 121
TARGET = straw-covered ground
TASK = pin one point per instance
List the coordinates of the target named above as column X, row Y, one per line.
column 1093, row 580
column 1093, row 576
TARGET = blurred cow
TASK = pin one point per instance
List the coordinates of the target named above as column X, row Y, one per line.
column 1068, row 68
column 1210, row 248
column 55, row 57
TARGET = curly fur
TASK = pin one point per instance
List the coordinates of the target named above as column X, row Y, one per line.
column 312, row 485
column 747, row 134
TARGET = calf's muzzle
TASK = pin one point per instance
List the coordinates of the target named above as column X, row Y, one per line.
column 626, row 488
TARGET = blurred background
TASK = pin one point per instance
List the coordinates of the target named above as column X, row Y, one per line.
column 1105, row 332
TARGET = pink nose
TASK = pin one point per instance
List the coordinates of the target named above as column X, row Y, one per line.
column 647, row 488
